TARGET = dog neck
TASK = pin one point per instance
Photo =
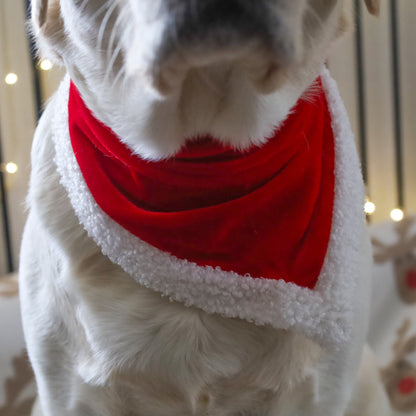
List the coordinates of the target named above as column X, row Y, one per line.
column 265, row 212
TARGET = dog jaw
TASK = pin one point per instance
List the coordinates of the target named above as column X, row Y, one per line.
column 262, row 38
column 132, row 73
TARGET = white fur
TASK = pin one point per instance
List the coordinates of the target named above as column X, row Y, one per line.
column 100, row 343
column 324, row 314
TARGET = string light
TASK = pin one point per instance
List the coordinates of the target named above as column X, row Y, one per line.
column 45, row 65
column 397, row 215
column 11, row 167
column 11, row 78
column 369, row 207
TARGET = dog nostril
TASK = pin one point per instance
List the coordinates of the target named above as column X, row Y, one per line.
column 223, row 11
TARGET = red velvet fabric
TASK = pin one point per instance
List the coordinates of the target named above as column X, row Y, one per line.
column 266, row 212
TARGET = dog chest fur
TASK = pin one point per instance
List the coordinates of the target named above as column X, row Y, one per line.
column 102, row 339
column 119, row 337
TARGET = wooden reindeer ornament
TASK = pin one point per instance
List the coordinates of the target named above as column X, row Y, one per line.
column 399, row 377
column 403, row 255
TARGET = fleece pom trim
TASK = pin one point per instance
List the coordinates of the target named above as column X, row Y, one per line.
column 324, row 314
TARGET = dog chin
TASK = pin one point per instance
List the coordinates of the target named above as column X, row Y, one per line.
column 266, row 72
column 260, row 38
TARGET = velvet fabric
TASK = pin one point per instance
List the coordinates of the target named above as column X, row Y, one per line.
column 265, row 212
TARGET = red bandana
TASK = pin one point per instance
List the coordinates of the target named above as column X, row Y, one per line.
column 266, row 212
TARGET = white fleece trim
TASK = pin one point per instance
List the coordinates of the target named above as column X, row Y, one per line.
column 324, row 314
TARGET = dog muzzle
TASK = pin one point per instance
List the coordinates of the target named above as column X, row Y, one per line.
column 273, row 235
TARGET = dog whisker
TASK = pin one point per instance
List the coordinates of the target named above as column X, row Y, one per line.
column 120, row 73
column 311, row 12
column 103, row 26
column 116, row 53
column 113, row 49
column 112, row 37
column 83, row 6
column 100, row 10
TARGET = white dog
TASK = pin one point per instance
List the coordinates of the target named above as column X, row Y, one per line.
column 118, row 320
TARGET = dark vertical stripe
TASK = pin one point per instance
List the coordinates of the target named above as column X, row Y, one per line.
column 398, row 134
column 362, row 115
column 34, row 63
column 3, row 194
column 5, row 214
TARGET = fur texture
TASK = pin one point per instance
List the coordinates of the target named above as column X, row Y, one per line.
column 100, row 343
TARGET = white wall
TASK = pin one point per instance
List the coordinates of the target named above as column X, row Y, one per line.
column 379, row 102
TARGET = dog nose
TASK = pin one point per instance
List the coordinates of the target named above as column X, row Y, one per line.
column 229, row 23
column 244, row 16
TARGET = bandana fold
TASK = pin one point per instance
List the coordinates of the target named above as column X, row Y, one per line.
column 266, row 212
